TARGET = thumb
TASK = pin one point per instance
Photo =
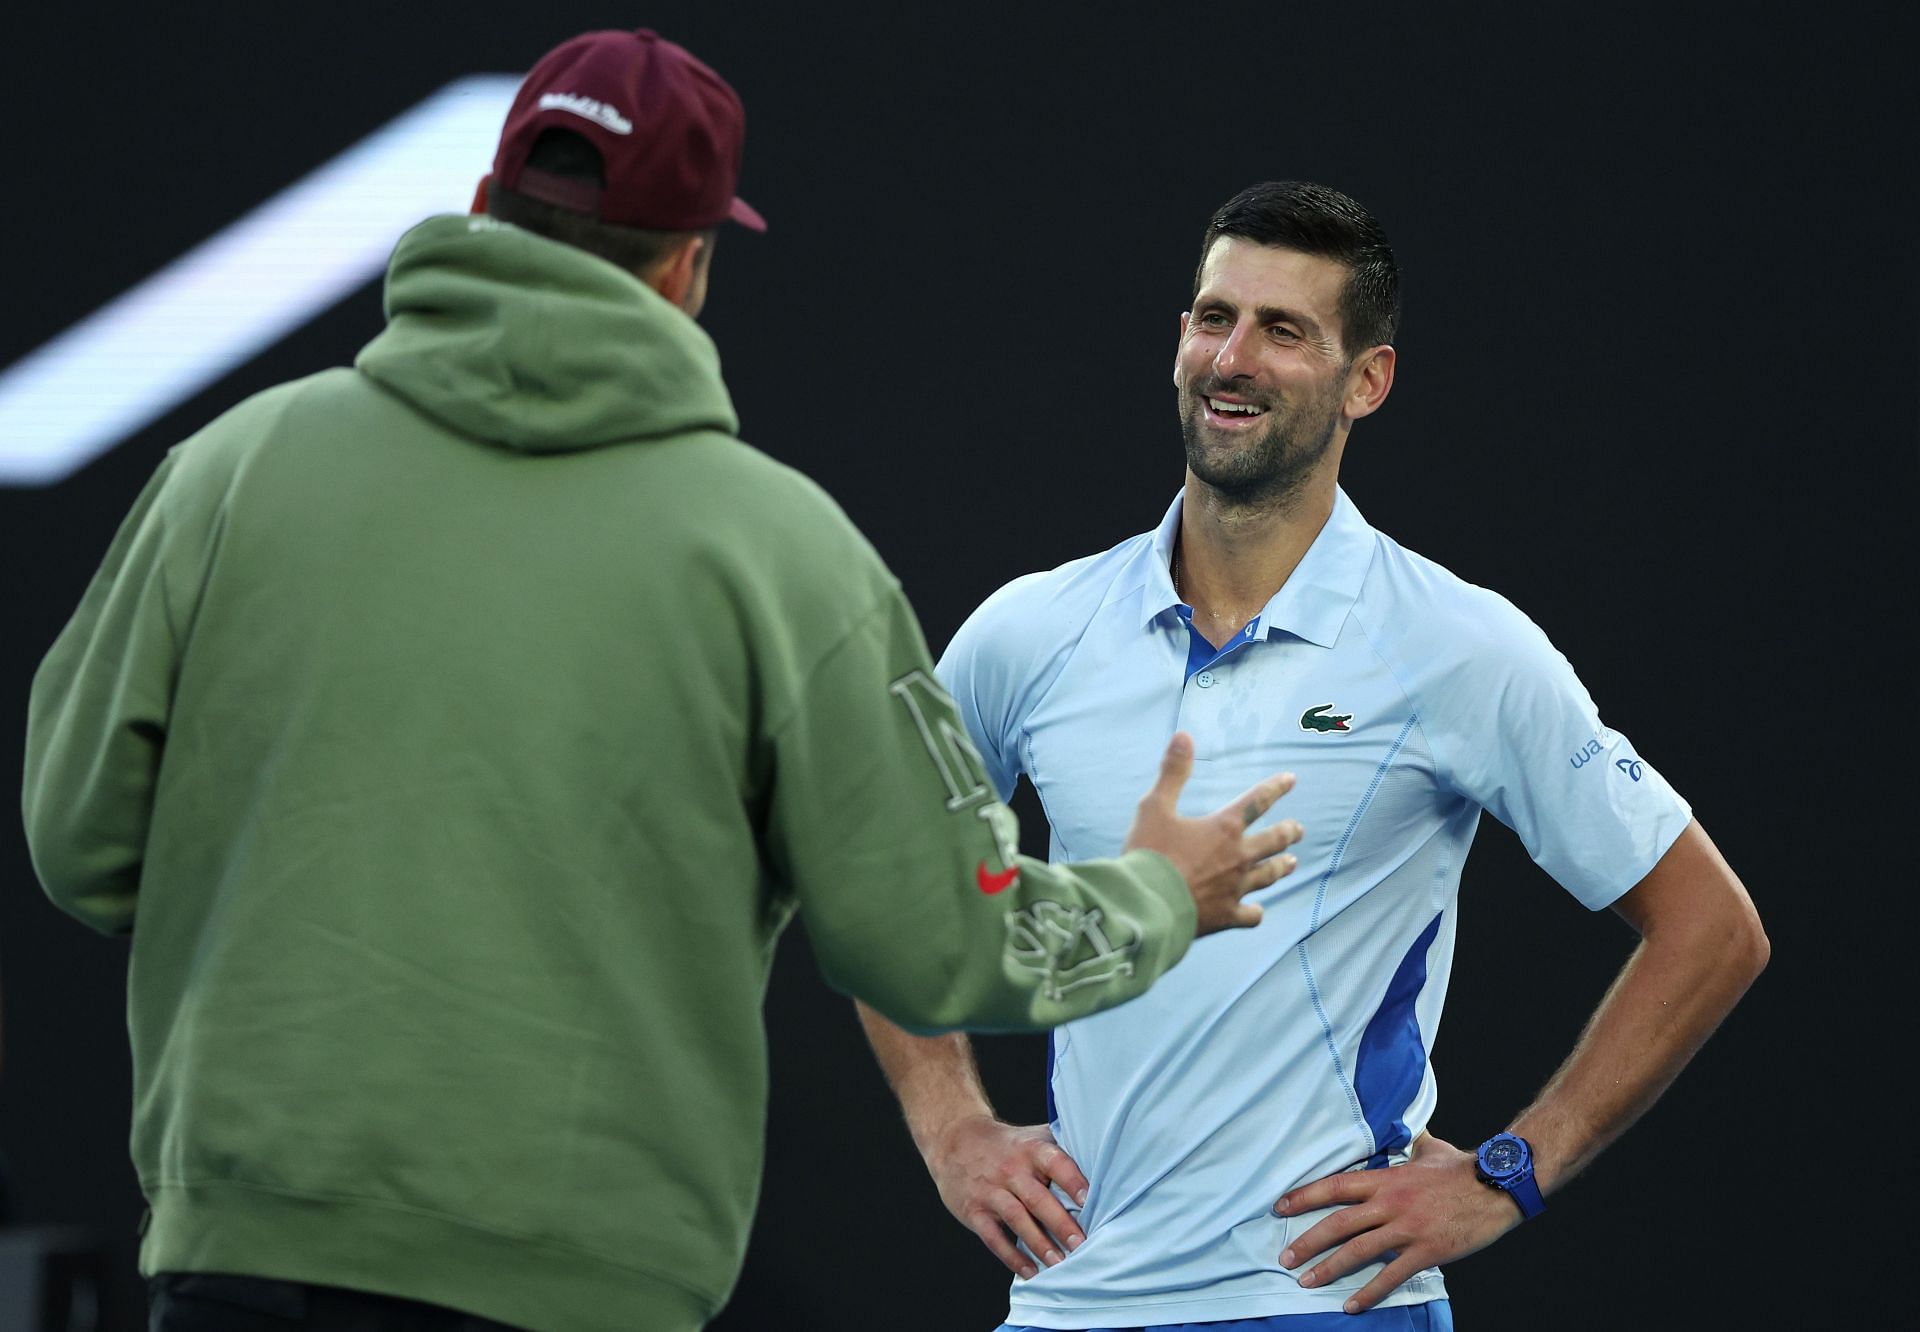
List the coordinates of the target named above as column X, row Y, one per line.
column 1176, row 765
column 1424, row 1144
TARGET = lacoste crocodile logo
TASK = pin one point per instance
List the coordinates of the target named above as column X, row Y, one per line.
column 1314, row 719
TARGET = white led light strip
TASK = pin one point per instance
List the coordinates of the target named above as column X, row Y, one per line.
column 241, row 291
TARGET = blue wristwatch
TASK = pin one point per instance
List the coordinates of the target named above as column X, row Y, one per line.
column 1506, row 1162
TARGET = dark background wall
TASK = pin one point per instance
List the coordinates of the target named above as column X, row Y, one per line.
column 1656, row 385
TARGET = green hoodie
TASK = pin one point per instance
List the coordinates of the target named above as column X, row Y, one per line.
column 455, row 734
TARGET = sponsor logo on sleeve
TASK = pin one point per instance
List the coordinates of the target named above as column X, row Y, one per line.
column 1594, row 748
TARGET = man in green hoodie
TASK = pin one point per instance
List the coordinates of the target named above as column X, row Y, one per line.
column 454, row 734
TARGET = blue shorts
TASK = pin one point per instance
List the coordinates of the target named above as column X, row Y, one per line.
column 1433, row 1316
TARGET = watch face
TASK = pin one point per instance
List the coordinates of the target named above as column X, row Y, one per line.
column 1502, row 1158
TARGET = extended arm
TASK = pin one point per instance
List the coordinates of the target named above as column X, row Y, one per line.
column 992, row 1176
column 1701, row 946
column 908, row 872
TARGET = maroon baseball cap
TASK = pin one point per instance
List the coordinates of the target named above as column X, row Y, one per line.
column 668, row 129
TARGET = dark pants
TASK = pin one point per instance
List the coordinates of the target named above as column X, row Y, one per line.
column 206, row 1302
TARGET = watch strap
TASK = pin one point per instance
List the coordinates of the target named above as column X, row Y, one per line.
column 1526, row 1192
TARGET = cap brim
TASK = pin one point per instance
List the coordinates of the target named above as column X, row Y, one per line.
column 746, row 215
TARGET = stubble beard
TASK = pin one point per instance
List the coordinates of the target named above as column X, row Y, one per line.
column 1270, row 469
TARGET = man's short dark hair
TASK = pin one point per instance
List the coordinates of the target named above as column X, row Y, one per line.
column 1316, row 220
column 559, row 153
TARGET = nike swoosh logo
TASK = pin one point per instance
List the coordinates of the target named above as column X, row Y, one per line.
column 991, row 883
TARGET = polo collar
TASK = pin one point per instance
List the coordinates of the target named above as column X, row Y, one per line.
column 1314, row 601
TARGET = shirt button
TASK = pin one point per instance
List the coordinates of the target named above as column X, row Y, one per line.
column 1204, row 679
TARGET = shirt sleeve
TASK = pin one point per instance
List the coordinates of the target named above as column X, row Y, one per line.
column 905, row 862
column 97, row 724
column 1522, row 738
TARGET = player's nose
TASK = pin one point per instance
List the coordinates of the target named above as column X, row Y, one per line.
column 1235, row 357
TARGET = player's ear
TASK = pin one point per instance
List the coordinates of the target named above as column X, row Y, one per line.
column 678, row 270
column 480, row 196
column 1369, row 382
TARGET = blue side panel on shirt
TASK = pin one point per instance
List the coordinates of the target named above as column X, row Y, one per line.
column 1053, row 1114
column 1392, row 1060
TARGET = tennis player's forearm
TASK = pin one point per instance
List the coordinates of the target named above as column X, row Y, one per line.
column 935, row 1078
column 1702, row 947
column 1651, row 1023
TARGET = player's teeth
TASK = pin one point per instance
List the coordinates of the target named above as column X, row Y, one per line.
column 1243, row 409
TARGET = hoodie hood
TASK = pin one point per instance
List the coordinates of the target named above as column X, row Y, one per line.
column 538, row 346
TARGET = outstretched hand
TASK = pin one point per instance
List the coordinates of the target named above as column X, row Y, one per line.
column 1218, row 858
column 1431, row 1210
column 995, row 1179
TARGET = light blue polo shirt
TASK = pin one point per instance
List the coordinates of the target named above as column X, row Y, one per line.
column 1407, row 701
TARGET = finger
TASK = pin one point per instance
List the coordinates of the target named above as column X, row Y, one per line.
column 1176, row 765
column 1349, row 1257
column 1065, row 1171
column 1332, row 1230
column 987, row 1227
column 1245, row 916
column 1015, row 1217
column 1385, row 1282
column 1258, row 798
column 1349, row 1186
column 1269, row 872
column 1060, row 1234
column 1271, row 841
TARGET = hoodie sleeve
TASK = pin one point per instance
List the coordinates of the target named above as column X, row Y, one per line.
column 906, row 868
column 97, row 724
